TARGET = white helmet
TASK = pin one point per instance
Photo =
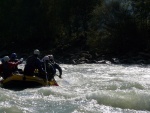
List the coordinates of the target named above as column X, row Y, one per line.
column 36, row 52
column 51, row 57
column 46, row 58
column 6, row 58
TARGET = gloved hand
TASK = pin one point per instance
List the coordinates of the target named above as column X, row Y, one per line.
column 21, row 60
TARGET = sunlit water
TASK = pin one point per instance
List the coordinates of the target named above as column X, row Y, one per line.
column 86, row 88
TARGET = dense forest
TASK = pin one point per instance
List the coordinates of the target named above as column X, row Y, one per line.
column 105, row 27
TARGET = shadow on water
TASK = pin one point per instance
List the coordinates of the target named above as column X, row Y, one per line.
column 20, row 88
column 21, row 85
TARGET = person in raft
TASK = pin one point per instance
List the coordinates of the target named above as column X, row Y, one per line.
column 7, row 67
column 53, row 65
column 48, row 67
column 33, row 63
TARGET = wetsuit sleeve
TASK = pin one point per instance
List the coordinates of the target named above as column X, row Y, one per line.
column 52, row 69
column 59, row 68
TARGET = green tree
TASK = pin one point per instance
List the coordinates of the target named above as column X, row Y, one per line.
column 114, row 29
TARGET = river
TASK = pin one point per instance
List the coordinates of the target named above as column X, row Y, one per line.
column 86, row 88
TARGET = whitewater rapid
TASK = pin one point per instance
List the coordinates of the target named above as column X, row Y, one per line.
column 86, row 88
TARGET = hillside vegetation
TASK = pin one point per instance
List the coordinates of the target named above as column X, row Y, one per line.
column 103, row 27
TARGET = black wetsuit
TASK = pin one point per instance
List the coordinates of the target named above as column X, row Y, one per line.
column 32, row 63
column 49, row 69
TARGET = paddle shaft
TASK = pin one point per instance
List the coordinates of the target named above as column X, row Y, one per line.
column 46, row 72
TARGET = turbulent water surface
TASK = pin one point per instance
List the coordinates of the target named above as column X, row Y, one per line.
column 86, row 88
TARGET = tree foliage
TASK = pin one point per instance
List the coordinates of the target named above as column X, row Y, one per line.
column 104, row 26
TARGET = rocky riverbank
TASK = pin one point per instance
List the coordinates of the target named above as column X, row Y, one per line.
column 82, row 57
column 87, row 57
